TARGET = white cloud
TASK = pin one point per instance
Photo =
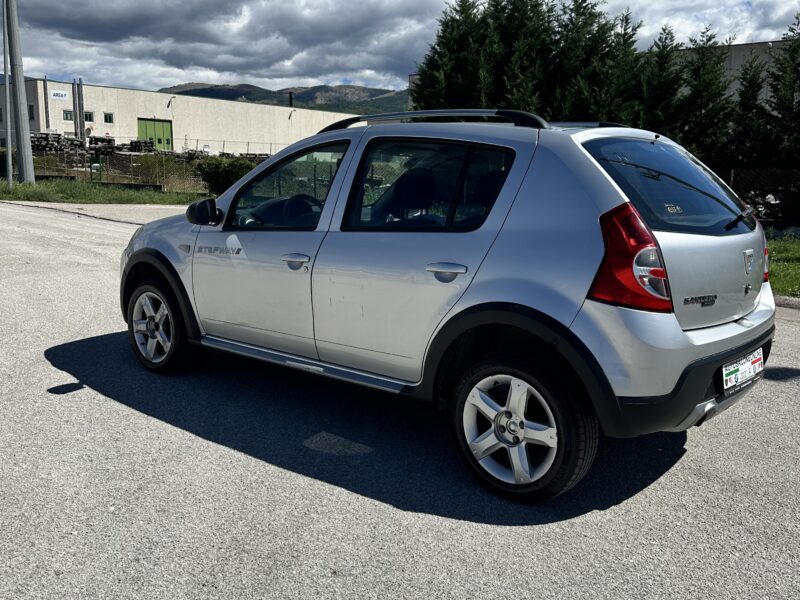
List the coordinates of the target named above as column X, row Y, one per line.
column 746, row 21
column 276, row 44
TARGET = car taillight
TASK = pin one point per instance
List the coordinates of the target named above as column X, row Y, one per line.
column 632, row 273
column 766, row 264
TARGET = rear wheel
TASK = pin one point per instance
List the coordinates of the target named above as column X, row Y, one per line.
column 523, row 430
column 155, row 328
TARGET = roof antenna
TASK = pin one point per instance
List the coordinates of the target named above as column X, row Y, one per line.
column 658, row 135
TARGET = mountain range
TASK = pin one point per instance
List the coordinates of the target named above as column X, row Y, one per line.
column 337, row 98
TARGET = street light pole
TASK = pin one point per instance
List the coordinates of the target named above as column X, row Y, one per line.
column 23, row 129
column 9, row 165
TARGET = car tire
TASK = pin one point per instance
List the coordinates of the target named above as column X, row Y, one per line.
column 524, row 430
column 156, row 328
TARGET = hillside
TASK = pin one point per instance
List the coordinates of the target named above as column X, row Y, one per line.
column 338, row 98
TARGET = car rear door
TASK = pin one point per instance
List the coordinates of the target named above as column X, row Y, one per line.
column 714, row 260
column 420, row 216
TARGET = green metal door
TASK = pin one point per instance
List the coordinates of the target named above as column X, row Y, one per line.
column 159, row 131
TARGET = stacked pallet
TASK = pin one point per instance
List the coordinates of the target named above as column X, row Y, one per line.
column 46, row 142
column 101, row 146
column 256, row 157
column 142, row 146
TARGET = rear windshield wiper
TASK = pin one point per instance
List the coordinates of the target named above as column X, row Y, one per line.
column 747, row 212
column 656, row 175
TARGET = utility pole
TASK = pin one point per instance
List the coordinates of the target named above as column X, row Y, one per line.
column 24, row 152
column 9, row 145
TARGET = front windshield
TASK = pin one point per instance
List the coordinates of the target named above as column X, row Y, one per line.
column 670, row 188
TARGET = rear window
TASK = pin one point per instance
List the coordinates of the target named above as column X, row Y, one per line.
column 670, row 188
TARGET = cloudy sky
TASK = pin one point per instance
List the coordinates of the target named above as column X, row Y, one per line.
column 156, row 43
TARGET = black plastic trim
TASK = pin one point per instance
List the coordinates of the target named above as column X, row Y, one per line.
column 700, row 381
column 546, row 328
column 159, row 261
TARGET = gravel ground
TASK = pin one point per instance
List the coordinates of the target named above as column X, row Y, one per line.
column 236, row 479
column 124, row 213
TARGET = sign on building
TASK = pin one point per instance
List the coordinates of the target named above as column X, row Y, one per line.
column 59, row 95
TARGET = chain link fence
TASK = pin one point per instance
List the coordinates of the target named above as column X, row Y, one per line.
column 775, row 192
column 137, row 163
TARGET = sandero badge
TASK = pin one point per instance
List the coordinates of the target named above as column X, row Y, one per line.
column 703, row 301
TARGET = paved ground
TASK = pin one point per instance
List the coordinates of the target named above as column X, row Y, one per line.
column 125, row 213
column 238, row 479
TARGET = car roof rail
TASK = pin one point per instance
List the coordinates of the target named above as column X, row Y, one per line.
column 586, row 124
column 518, row 118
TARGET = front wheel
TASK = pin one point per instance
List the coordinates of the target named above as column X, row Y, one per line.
column 523, row 430
column 155, row 328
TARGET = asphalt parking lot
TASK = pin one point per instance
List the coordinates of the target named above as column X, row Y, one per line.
column 237, row 479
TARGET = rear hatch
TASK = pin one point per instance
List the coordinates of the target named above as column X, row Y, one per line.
column 714, row 260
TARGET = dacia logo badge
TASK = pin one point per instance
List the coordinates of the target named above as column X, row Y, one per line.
column 749, row 256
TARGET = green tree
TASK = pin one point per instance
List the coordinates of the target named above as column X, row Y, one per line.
column 583, row 44
column 706, row 106
column 750, row 124
column 616, row 95
column 448, row 75
column 661, row 82
column 784, row 86
column 517, row 53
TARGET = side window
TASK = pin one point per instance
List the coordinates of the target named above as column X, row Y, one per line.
column 292, row 194
column 426, row 186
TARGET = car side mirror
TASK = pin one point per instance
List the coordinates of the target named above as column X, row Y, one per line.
column 204, row 212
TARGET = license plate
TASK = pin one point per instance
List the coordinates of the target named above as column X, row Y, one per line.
column 742, row 372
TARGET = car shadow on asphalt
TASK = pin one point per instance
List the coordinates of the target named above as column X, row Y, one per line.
column 781, row 373
column 381, row 446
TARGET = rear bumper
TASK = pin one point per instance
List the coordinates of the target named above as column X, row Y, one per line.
column 662, row 377
column 697, row 397
column 646, row 353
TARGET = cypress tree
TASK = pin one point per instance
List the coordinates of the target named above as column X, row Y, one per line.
column 784, row 86
column 661, row 82
column 448, row 75
column 706, row 107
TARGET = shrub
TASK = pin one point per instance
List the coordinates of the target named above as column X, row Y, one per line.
column 219, row 173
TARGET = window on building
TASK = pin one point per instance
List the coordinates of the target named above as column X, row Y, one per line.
column 108, row 117
column 1, row 114
column 67, row 114
column 30, row 112
column 88, row 117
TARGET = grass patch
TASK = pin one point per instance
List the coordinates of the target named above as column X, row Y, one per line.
column 83, row 192
column 784, row 265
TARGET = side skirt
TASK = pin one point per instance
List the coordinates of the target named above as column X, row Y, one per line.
column 385, row 384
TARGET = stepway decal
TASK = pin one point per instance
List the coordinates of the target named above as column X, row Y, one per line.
column 218, row 250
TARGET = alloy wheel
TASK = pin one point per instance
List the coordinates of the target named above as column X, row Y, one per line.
column 152, row 326
column 510, row 429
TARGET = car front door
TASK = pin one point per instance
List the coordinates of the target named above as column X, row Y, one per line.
column 420, row 217
column 252, row 275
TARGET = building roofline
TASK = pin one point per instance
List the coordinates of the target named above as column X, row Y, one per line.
column 170, row 94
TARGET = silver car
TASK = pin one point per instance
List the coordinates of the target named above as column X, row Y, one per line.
column 542, row 282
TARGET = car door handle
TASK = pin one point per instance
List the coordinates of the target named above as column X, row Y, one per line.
column 445, row 271
column 295, row 261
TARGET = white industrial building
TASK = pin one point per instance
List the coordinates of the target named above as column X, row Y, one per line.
column 172, row 122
